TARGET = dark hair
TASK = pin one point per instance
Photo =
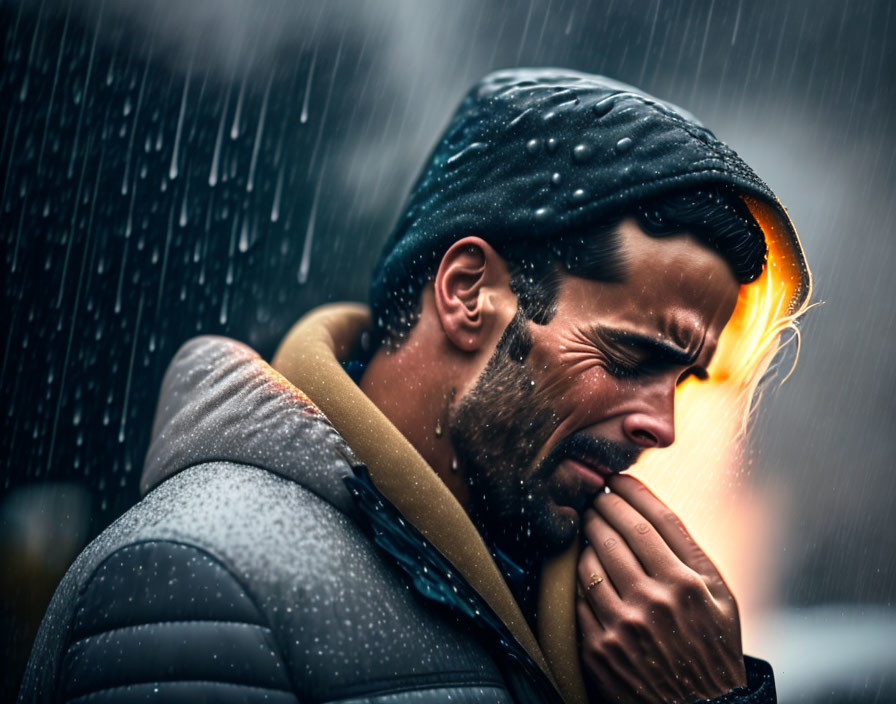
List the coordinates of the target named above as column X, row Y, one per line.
column 715, row 216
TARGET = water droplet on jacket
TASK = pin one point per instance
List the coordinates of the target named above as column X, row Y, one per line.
column 553, row 144
column 579, row 195
column 624, row 144
column 543, row 214
column 582, row 152
column 556, row 179
column 533, row 146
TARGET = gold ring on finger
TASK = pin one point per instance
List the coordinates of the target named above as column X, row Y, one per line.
column 595, row 580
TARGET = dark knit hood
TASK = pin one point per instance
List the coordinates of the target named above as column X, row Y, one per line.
column 532, row 153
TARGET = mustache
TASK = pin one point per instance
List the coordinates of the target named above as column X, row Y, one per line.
column 591, row 450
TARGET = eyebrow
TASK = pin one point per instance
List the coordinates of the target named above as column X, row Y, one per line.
column 660, row 350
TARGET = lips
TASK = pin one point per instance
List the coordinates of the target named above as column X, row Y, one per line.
column 592, row 465
column 587, row 462
column 593, row 477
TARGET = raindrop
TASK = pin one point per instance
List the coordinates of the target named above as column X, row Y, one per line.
column 129, row 225
column 578, row 195
column 543, row 214
column 304, row 116
column 124, row 258
column 556, row 179
column 235, row 127
column 182, row 220
column 533, row 146
column 244, row 236
column 309, row 235
column 603, row 107
column 624, row 144
column 216, row 157
column 222, row 318
column 250, row 184
column 173, row 171
column 278, row 190
column 553, row 144
column 582, row 152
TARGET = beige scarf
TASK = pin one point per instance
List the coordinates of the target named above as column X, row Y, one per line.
column 309, row 357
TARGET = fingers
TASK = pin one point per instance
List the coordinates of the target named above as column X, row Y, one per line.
column 597, row 588
column 623, row 568
column 639, row 534
column 641, row 502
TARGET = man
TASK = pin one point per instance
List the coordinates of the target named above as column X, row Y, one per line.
column 413, row 508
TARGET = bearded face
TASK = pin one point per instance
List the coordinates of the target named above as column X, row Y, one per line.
column 499, row 430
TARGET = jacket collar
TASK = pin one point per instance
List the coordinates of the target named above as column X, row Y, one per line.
column 310, row 357
column 220, row 402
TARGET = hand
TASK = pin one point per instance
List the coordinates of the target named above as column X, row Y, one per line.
column 662, row 625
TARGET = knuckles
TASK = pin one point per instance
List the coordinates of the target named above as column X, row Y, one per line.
column 690, row 587
column 662, row 607
column 635, row 626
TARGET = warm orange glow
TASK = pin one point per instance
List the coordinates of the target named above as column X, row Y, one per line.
column 700, row 476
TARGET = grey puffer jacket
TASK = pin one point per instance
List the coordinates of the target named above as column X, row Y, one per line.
column 261, row 567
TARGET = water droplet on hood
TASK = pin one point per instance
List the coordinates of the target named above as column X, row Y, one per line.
column 533, row 146
column 556, row 179
column 553, row 144
column 603, row 107
column 470, row 149
column 582, row 152
column 543, row 214
column 624, row 144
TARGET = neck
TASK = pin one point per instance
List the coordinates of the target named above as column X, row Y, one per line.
column 415, row 394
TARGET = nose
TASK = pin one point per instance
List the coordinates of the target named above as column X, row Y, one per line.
column 650, row 429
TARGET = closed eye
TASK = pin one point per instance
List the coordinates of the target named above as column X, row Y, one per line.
column 631, row 355
column 697, row 372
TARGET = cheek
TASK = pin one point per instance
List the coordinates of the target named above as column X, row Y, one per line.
column 593, row 390
column 578, row 387
column 571, row 376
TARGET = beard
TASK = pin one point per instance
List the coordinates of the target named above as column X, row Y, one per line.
column 497, row 430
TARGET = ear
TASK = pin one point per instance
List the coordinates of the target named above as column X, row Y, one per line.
column 472, row 294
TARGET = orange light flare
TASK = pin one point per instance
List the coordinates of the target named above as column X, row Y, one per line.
column 703, row 477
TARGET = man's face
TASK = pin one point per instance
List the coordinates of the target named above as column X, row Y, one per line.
column 561, row 406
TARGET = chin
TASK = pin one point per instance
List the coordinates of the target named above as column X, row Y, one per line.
column 557, row 528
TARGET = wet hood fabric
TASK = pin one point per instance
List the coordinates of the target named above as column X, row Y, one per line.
column 532, row 153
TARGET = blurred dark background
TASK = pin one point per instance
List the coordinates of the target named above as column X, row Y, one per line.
column 173, row 168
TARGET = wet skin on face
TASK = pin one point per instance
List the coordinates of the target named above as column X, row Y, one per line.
column 560, row 406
